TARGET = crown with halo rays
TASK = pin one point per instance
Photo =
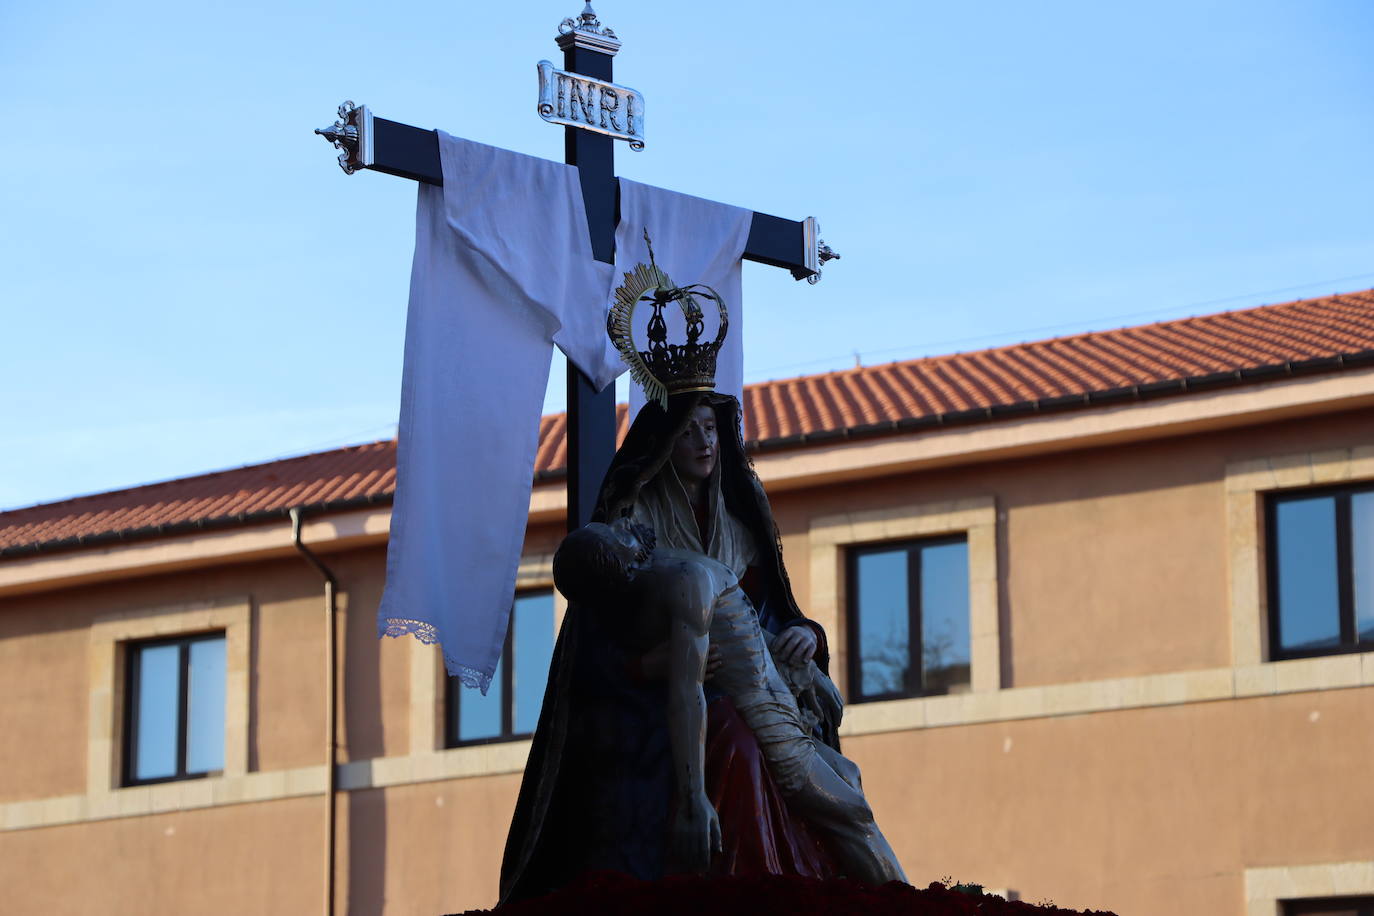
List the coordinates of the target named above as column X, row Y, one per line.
column 664, row 369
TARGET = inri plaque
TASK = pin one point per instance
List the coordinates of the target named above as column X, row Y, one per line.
column 574, row 100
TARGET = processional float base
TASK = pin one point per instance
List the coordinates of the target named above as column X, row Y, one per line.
column 615, row 894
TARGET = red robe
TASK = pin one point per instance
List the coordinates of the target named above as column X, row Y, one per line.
column 759, row 835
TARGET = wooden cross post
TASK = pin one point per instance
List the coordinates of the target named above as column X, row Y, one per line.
column 594, row 113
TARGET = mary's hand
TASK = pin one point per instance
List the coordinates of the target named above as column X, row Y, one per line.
column 713, row 661
column 795, row 645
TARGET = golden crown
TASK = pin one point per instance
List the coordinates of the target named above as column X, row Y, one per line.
column 665, row 368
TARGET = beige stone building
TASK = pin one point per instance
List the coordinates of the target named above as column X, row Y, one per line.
column 1103, row 608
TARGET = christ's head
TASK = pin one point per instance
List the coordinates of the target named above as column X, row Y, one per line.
column 600, row 562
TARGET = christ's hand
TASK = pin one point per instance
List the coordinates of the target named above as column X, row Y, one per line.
column 696, row 833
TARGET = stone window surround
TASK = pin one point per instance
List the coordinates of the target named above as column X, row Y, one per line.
column 830, row 535
column 1267, row 888
column 1246, row 484
column 104, row 797
column 106, row 681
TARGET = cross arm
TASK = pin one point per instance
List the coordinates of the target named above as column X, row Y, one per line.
column 405, row 151
column 370, row 142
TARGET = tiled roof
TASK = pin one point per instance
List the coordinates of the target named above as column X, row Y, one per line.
column 354, row 476
column 1098, row 367
column 1171, row 357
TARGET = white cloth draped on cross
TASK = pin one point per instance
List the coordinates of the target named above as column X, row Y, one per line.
column 503, row 271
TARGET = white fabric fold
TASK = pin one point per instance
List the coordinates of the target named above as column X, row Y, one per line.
column 503, row 269
column 695, row 241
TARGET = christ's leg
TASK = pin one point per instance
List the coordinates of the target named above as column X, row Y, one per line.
column 844, row 768
column 830, row 803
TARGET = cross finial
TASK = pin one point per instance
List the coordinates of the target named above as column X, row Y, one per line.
column 647, row 242
column 586, row 31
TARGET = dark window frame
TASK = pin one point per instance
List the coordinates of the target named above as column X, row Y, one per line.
column 1345, row 570
column 452, row 723
column 1363, row 906
column 132, row 673
column 915, row 636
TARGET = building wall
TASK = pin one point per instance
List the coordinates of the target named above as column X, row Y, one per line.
column 1126, row 762
column 248, row 858
column 1112, row 562
column 1150, row 810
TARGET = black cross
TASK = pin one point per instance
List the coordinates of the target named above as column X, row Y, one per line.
column 412, row 152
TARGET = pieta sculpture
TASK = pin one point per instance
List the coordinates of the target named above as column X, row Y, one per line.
column 689, row 723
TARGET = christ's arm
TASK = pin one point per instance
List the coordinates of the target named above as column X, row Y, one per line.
column 686, row 590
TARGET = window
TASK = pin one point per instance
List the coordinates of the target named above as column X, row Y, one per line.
column 909, row 619
column 1321, row 572
column 510, row 708
column 1342, row 906
column 175, row 709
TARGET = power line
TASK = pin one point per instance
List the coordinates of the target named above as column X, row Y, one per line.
column 359, row 438
column 1045, row 329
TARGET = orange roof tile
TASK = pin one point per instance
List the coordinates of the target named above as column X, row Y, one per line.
column 1170, row 357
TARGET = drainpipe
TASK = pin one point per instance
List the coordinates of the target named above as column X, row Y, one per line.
column 330, row 686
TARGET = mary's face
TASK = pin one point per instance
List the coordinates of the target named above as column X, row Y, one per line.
column 696, row 450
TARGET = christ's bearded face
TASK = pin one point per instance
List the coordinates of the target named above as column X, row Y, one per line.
column 695, row 451
column 633, row 544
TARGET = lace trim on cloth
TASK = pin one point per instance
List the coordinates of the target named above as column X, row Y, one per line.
column 428, row 634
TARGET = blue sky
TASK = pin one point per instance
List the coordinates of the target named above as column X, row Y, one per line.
column 189, row 283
